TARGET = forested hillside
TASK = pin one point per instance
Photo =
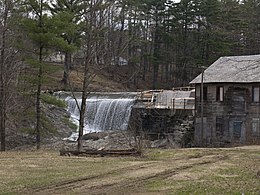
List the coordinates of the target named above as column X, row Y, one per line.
column 129, row 44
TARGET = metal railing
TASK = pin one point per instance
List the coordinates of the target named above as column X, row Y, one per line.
column 183, row 103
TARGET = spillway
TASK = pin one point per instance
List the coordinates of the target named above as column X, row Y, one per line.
column 103, row 112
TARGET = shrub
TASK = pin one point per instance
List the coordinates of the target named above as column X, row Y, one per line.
column 49, row 99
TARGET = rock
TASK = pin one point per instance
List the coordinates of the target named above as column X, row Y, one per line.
column 93, row 136
column 159, row 143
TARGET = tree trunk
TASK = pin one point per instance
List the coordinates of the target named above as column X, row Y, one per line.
column 156, row 60
column 166, row 72
column 119, row 46
column 2, row 80
column 156, row 51
column 84, row 98
column 67, row 67
column 145, row 52
column 144, row 62
column 39, row 86
column 38, row 102
column 2, row 96
column 86, row 81
column 83, row 106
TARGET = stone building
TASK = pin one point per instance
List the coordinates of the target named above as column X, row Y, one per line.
column 166, row 115
column 230, row 107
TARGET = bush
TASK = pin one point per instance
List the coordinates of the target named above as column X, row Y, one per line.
column 49, row 99
column 69, row 123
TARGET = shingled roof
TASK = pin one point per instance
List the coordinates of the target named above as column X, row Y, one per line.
column 232, row 69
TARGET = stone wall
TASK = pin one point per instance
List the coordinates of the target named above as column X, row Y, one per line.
column 229, row 122
column 161, row 124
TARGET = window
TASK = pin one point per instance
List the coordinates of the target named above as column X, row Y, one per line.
column 219, row 126
column 220, row 94
column 256, row 126
column 205, row 93
column 255, row 94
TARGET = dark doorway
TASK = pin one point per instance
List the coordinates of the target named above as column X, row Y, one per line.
column 237, row 127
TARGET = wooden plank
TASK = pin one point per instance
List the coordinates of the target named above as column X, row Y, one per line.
column 130, row 152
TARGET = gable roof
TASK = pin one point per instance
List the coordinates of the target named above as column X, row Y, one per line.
column 232, row 69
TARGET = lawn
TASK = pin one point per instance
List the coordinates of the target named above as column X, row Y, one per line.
column 158, row 171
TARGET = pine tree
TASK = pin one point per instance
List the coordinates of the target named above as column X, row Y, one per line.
column 39, row 29
column 184, row 31
column 155, row 11
column 66, row 20
column 230, row 26
column 250, row 12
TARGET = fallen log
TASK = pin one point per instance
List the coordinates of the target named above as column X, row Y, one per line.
column 129, row 152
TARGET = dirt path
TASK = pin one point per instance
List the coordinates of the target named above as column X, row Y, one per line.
column 130, row 178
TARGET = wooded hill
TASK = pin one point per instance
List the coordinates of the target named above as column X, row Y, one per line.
column 162, row 43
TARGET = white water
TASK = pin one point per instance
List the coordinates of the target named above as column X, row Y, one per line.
column 102, row 113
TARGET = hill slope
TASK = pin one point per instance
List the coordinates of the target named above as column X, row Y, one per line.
column 112, row 78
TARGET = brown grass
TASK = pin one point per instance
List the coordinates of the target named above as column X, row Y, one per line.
column 100, row 79
column 182, row 171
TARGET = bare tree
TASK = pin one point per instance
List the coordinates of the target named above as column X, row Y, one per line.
column 89, row 17
column 96, row 36
column 4, row 16
column 9, row 64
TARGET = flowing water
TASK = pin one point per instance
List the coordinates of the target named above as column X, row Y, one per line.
column 103, row 112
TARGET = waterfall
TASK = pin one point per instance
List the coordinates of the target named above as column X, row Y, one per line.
column 103, row 112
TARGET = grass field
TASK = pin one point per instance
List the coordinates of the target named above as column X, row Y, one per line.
column 159, row 171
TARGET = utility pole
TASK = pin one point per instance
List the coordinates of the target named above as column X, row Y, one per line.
column 201, row 104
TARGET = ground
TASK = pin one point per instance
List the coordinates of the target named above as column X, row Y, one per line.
column 107, row 79
column 158, row 171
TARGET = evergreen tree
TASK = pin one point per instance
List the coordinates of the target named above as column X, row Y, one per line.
column 39, row 28
column 155, row 10
column 230, row 26
column 209, row 18
column 67, row 15
column 184, row 31
column 250, row 12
